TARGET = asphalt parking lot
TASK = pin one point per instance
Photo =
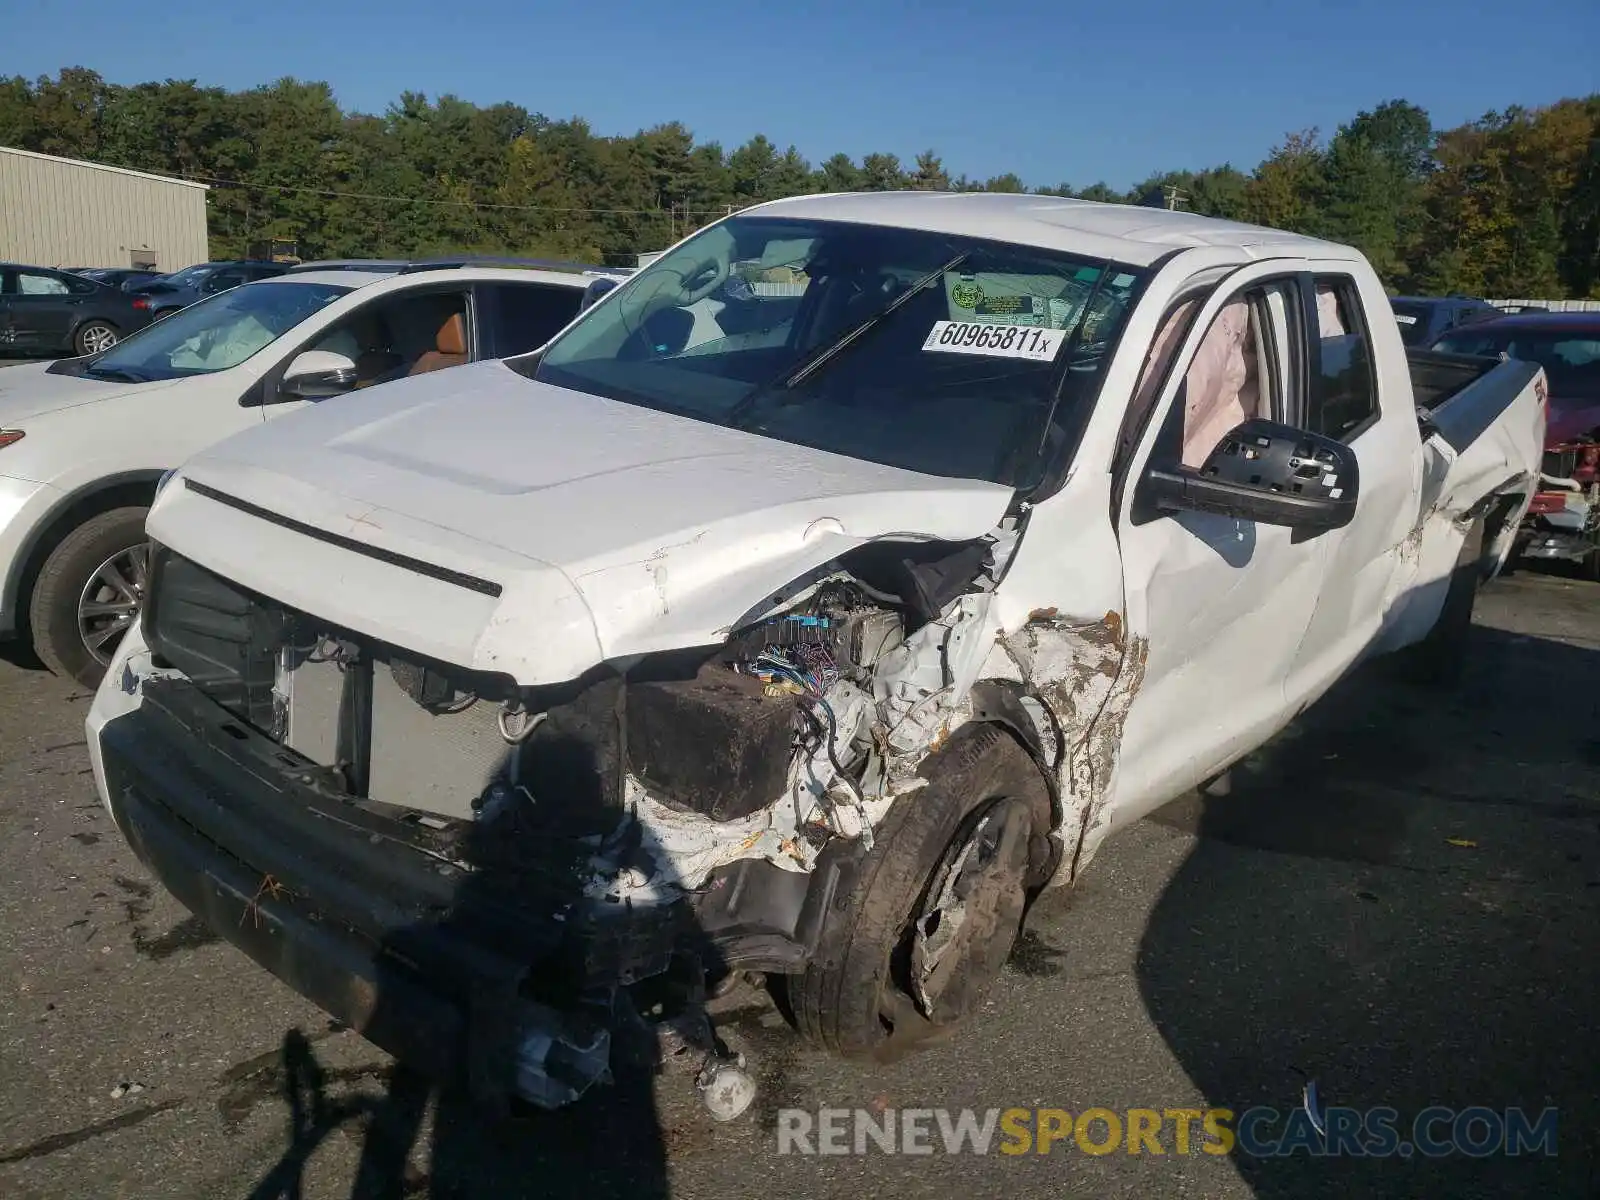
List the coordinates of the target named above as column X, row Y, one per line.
column 1400, row 901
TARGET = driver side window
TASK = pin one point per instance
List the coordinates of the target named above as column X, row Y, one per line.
column 36, row 283
column 401, row 335
column 1234, row 374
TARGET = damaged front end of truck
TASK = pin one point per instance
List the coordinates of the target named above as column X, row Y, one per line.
column 525, row 886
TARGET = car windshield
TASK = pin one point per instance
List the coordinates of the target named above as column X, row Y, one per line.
column 1413, row 322
column 215, row 334
column 187, row 276
column 817, row 333
column 1571, row 361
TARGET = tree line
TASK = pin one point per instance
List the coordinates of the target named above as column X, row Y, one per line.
column 1507, row 205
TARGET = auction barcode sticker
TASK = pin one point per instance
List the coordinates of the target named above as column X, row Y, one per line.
column 995, row 341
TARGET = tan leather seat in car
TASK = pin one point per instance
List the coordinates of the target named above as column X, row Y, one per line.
column 450, row 347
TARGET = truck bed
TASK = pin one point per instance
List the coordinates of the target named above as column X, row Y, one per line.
column 1437, row 376
column 1460, row 395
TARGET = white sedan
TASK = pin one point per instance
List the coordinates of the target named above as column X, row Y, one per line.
column 85, row 441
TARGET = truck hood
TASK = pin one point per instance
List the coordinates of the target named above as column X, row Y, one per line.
column 480, row 518
column 30, row 391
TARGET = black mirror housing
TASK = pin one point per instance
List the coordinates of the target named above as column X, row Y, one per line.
column 1263, row 471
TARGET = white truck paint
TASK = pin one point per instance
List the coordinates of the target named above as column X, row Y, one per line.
column 512, row 521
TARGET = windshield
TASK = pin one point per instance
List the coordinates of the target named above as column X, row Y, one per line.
column 1413, row 322
column 187, row 276
column 815, row 333
column 1571, row 361
column 215, row 334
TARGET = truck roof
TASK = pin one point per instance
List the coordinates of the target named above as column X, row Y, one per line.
column 1123, row 232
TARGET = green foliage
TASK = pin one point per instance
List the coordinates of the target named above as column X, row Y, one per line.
column 1506, row 205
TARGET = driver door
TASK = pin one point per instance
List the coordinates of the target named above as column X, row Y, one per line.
column 42, row 307
column 1223, row 601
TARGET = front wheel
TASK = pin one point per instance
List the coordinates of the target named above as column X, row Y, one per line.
column 88, row 594
column 911, row 949
column 94, row 336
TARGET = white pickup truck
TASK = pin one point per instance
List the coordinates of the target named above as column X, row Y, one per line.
column 805, row 607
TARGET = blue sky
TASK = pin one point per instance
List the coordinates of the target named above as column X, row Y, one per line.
column 1112, row 89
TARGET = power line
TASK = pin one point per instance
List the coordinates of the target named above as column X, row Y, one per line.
column 218, row 181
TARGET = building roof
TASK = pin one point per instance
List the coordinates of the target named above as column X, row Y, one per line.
column 1122, row 232
column 78, row 162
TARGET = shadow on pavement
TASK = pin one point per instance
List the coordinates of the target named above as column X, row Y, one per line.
column 20, row 655
column 1400, row 901
column 479, row 972
column 607, row 1145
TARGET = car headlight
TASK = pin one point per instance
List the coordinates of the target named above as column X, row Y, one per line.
column 165, row 476
column 9, row 436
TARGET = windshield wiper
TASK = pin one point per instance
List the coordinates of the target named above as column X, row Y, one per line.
column 118, row 374
column 819, row 358
column 1074, row 340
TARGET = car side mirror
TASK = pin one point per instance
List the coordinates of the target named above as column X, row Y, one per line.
column 317, row 375
column 592, row 294
column 1264, row 471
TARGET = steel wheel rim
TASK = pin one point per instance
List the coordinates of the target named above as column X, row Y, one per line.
column 97, row 338
column 109, row 603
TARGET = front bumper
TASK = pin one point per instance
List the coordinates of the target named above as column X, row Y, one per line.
column 496, row 978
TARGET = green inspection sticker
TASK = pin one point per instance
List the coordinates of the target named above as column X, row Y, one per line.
column 966, row 294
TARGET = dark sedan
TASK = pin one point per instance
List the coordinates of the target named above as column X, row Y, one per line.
column 1423, row 319
column 126, row 278
column 165, row 296
column 49, row 312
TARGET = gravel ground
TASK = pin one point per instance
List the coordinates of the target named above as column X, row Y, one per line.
column 1399, row 901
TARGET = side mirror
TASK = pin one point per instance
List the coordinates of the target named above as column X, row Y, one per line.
column 593, row 293
column 1268, row 472
column 317, row 375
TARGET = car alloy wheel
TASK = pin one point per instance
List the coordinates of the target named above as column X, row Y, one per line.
column 109, row 604
column 96, row 337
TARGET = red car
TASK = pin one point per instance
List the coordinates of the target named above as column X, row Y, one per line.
column 1562, row 523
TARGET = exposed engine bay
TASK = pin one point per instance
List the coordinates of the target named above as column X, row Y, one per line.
column 717, row 800
column 799, row 730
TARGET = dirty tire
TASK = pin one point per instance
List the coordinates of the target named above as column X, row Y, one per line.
column 854, row 999
column 53, row 609
column 1439, row 659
